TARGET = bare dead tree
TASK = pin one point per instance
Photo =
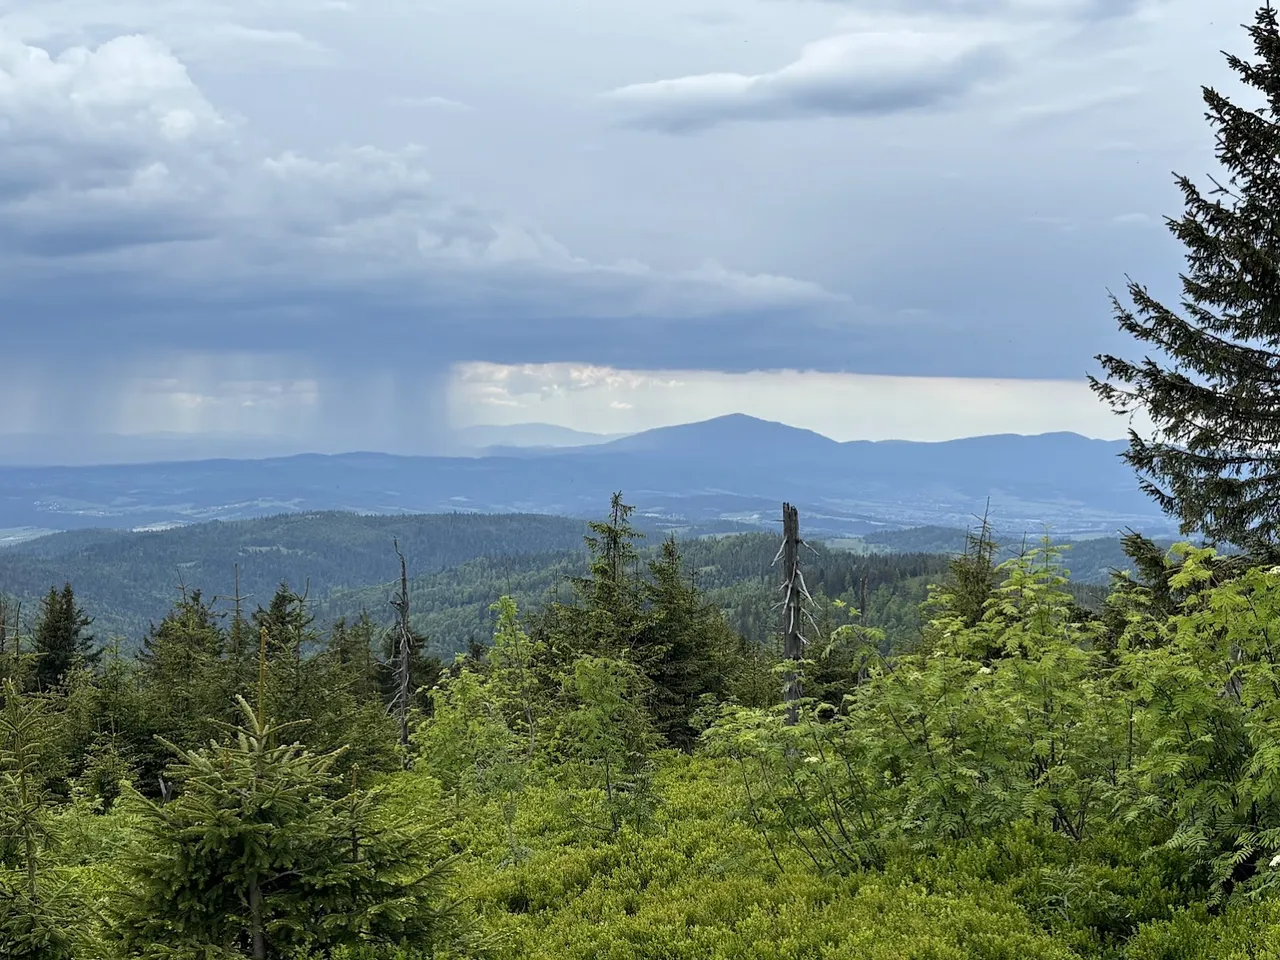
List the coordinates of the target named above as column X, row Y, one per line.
column 10, row 659
column 238, row 623
column 263, row 645
column 795, row 593
column 404, row 646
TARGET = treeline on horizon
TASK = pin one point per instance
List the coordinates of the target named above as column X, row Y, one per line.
column 459, row 565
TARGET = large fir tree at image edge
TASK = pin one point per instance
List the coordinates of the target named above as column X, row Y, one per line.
column 1213, row 460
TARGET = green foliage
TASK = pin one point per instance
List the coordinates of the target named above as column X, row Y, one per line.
column 39, row 926
column 1207, row 700
column 331, row 550
column 1159, row 742
column 264, row 854
column 35, row 914
column 607, row 736
column 1249, row 931
column 614, row 776
column 701, row 884
column 467, row 744
column 27, row 732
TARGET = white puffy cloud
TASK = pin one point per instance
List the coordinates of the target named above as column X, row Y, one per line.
column 114, row 152
column 89, row 116
column 890, row 57
column 868, row 72
column 510, row 381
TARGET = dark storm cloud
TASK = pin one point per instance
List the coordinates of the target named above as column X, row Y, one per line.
column 135, row 216
column 148, row 229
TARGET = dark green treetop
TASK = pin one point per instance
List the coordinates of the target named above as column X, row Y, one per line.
column 1211, row 385
column 264, row 853
column 62, row 639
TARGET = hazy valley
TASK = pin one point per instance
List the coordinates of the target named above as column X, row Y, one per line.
column 730, row 473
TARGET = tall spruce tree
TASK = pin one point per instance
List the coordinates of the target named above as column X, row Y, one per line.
column 972, row 576
column 182, row 667
column 1212, row 384
column 288, row 629
column 35, row 916
column 685, row 647
column 609, row 614
column 61, row 638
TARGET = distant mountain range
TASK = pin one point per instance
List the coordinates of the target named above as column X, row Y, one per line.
column 36, row 449
column 730, row 473
column 486, row 438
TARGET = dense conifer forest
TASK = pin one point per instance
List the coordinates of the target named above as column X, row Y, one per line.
column 460, row 564
column 612, row 773
column 637, row 756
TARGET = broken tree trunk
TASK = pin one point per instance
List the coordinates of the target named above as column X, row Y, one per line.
column 403, row 652
column 794, row 593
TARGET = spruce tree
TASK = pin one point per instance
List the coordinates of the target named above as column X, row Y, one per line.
column 606, row 619
column 1211, row 385
column 182, row 670
column 683, row 647
column 61, row 638
column 35, row 916
column 306, row 678
column 288, row 630
column 349, row 654
column 264, row 853
column 972, row 575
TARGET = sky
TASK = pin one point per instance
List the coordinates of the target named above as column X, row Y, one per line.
column 258, row 226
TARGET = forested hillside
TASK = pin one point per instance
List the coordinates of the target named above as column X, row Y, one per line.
column 1089, row 561
column 129, row 579
column 459, row 565
column 612, row 774
column 452, row 607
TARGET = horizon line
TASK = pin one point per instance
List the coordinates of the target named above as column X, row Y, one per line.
column 479, row 453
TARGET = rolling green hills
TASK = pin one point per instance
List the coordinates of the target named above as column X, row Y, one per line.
column 459, row 564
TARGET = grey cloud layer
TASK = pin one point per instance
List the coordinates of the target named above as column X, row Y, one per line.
column 123, row 186
column 145, row 208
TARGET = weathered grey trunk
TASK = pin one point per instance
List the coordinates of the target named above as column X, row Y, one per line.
column 792, row 585
column 405, row 638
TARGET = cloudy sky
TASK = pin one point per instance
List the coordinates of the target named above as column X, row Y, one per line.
column 275, row 225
